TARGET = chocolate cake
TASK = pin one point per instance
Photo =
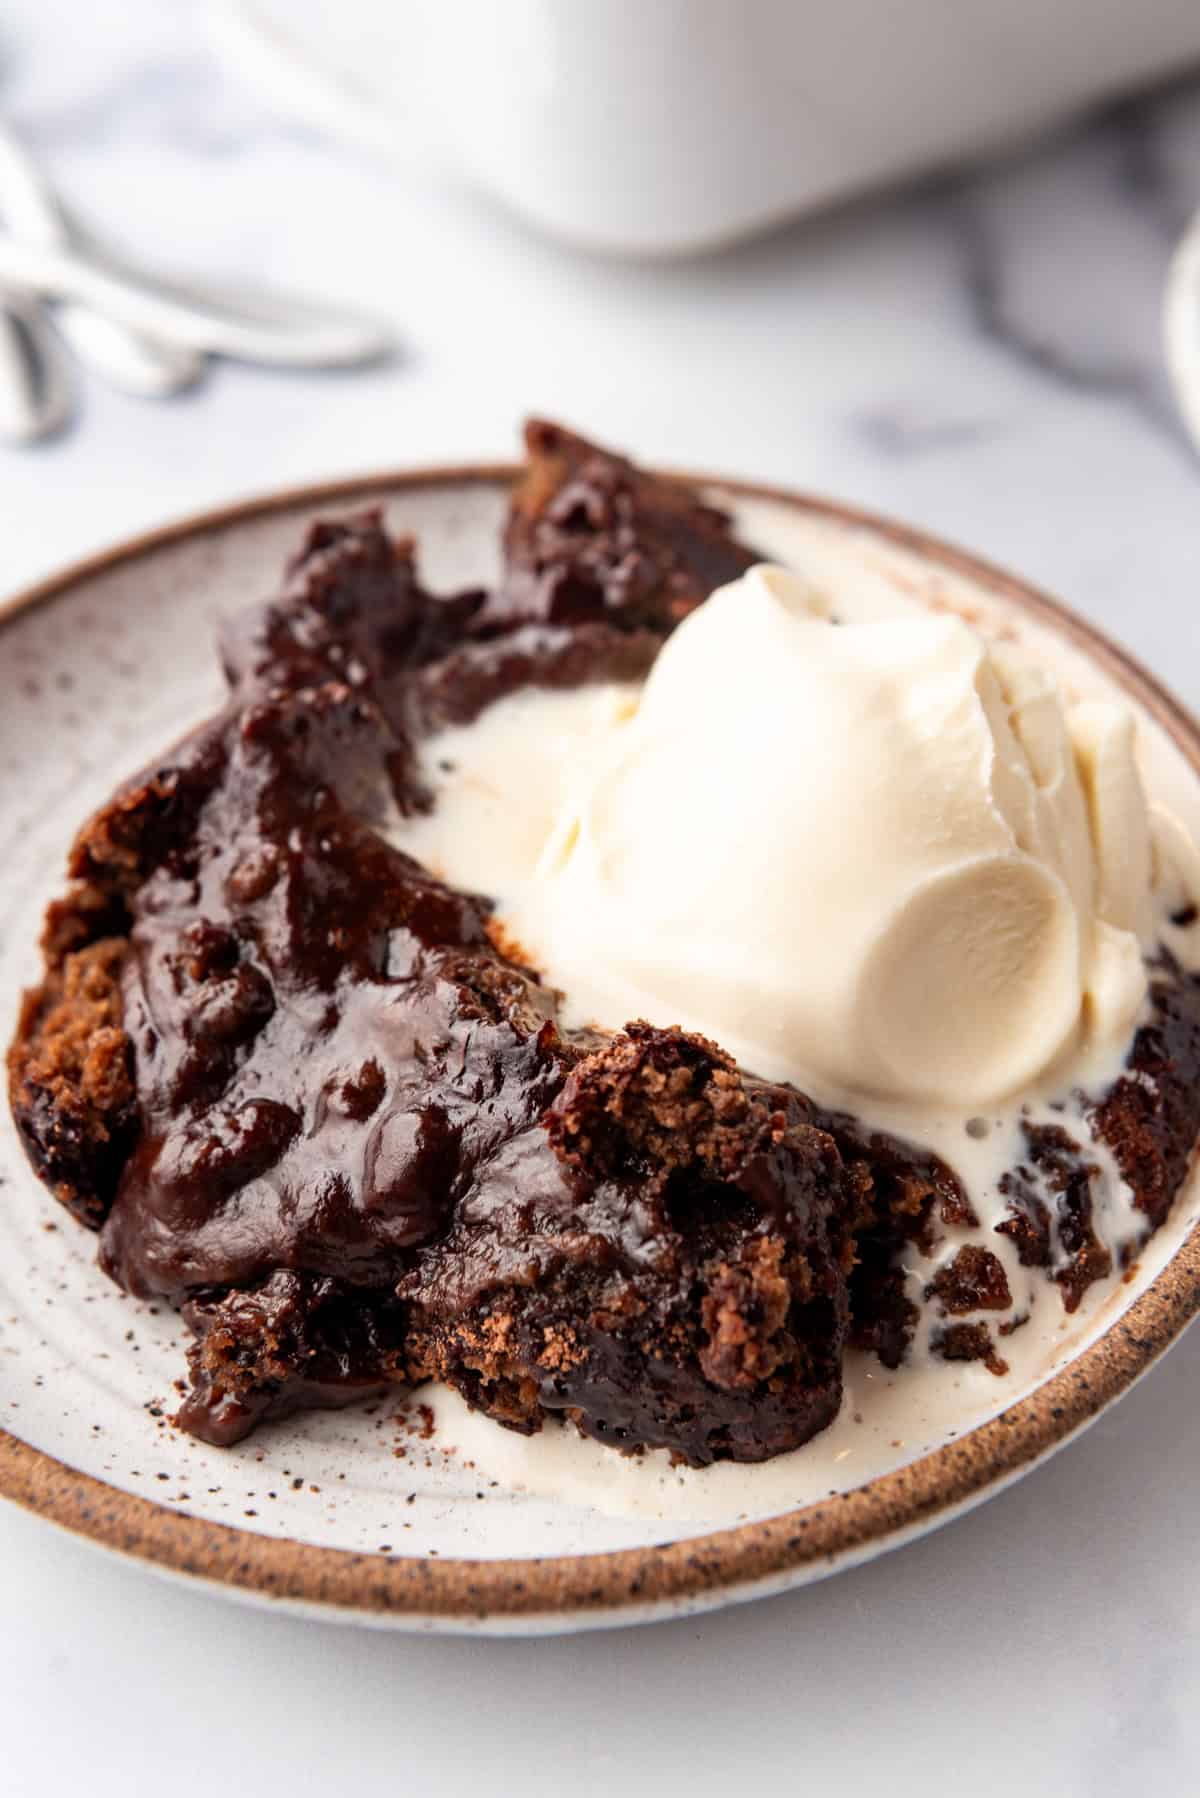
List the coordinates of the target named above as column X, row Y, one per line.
column 304, row 1094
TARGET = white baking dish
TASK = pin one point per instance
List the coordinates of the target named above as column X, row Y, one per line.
column 659, row 126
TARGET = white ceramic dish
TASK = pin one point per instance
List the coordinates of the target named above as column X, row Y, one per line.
column 351, row 1512
column 659, row 126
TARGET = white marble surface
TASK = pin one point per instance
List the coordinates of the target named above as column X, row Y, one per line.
column 981, row 358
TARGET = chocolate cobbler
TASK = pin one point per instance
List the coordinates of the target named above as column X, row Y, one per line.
column 306, row 1092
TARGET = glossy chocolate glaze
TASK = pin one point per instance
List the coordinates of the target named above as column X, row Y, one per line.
column 344, row 1088
column 351, row 1161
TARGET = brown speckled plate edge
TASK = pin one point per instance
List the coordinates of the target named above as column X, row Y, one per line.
column 637, row 1584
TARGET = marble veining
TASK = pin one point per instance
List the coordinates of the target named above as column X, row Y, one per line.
column 1108, row 206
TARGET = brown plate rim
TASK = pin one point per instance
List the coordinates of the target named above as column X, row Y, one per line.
column 762, row 1554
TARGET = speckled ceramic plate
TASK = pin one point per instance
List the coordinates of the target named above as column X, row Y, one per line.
column 351, row 1513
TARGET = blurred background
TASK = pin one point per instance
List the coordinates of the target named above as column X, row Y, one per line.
column 976, row 347
column 912, row 257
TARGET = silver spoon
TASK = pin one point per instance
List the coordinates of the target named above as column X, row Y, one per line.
column 138, row 362
column 36, row 390
column 273, row 332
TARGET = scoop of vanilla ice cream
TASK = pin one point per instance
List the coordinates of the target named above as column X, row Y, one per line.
column 882, row 857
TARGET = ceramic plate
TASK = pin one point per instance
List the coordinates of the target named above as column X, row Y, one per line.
column 353, row 1513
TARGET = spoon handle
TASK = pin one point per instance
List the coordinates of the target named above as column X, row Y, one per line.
column 35, row 383
column 137, row 362
column 294, row 336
